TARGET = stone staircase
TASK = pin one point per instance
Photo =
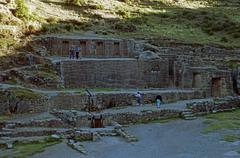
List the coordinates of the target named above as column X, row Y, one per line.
column 188, row 115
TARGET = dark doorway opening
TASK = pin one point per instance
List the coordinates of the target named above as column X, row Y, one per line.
column 100, row 49
column 216, row 87
column 116, row 48
column 65, row 48
column 83, row 46
column 171, row 73
column 196, row 82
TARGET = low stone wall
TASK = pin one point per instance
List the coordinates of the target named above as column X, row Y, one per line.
column 144, row 116
column 222, row 104
column 108, row 100
column 27, row 106
column 78, row 119
column 51, row 123
column 101, row 100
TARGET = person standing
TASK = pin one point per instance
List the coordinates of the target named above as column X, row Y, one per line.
column 77, row 51
column 158, row 101
column 138, row 97
column 71, row 53
column 30, row 59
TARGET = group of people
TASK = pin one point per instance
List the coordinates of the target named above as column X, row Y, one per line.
column 139, row 96
column 74, row 52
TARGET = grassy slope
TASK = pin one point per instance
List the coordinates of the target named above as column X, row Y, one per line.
column 213, row 22
column 201, row 22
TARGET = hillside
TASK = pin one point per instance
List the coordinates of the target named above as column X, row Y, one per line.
column 160, row 22
column 211, row 22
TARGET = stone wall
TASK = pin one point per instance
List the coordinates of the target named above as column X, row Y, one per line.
column 221, row 104
column 198, row 67
column 40, row 105
column 84, row 120
column 90, row 46
column 115, row 73
column 116, row 99
column 201, row 56
column 215, row 83
column 80, row 101
column 144, row 116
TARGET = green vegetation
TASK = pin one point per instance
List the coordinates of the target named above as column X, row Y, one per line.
column 82, row 138
column 6, row 42
column 21, row 10
column 47, row 75
column 24, row 93
column 231, row 138
column 25, row 150
column 224, row 122
column 233, row 64
column 5, row 117
column 75, row 2
column 209, row 22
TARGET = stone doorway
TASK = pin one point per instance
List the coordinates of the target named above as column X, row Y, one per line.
column 116, row 49
column 100, row 48
column 83, row 46
column 65, row 48
column 196, row 82
column 171, row 73
column 97, row 122
column 216, row 87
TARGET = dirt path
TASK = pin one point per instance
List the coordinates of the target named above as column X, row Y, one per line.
column 178, row 139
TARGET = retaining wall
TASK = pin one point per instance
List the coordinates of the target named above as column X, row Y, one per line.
column 115, row 73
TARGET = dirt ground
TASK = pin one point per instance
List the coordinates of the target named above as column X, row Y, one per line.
column 176, row 139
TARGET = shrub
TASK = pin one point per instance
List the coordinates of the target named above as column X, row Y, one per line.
column 139, row 20
column 75, row 2
column 21, row 10
column 125, row 27
column 94, row 6
column 30, row 29
column 52, row 20
column 69, row 27
column 125, row 1
column 236, row 35
column 123, row 13
column 224, row 39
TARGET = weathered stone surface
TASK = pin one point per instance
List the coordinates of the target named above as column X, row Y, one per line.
column 90, row 46
column 148, row 55
column 222, row 104
column 115, row 73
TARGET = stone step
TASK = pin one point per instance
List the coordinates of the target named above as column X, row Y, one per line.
column 188, row 115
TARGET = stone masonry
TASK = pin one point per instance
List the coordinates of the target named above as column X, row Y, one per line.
column 116, row 73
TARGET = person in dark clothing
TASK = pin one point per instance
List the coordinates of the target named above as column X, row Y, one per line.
column 71, row 52
column 158, row 101
column 77, row 52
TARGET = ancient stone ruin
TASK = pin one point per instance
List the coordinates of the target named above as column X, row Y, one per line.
column 186, row 77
